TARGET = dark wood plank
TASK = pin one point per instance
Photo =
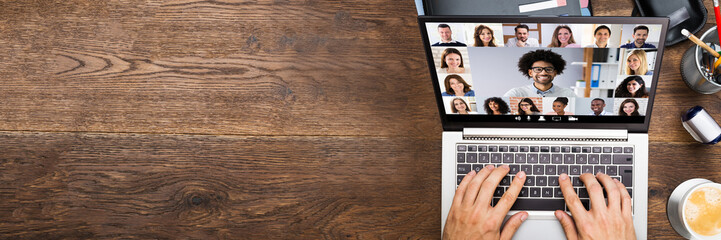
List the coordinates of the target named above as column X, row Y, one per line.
column 215, row 67
column 67, row 185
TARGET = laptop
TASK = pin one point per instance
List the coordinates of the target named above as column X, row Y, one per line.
column 545, row 95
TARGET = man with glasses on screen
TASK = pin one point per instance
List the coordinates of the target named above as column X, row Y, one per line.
column 542, row 66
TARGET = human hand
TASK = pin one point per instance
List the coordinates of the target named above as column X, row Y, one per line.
column 471, row 215
column 612, row 221
column 520, row 43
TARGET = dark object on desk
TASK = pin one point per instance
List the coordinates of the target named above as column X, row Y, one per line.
column 688, row 14
column 505, row 7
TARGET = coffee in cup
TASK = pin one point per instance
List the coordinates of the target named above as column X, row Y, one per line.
column 694, row 209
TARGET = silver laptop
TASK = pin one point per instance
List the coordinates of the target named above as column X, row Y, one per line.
column 545, row 95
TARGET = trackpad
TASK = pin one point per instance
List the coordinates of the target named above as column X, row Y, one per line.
column 540, row 229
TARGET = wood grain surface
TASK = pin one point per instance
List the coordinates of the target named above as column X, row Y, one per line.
column 234, row 119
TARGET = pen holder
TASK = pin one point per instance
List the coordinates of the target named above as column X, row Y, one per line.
column 691, row 69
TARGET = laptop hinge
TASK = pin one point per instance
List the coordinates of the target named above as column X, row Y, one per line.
column 545, row 134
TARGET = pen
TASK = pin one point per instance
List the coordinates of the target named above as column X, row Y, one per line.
column 699, row 42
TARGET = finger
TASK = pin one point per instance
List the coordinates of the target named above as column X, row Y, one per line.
column 512, row 225
column 612, row 190
column 626, row 204
column 490, row 185
column 569, row 227
column 595, row 191
column 569, row 195
column 475, row 184
column 512, row 193
column 461, row 190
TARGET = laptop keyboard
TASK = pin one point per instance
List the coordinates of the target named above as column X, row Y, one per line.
column 542, row 165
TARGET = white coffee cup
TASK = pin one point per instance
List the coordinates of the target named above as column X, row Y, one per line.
column 694, row 209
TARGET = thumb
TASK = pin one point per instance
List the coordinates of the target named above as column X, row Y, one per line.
column 512, row 225
column 569, row 227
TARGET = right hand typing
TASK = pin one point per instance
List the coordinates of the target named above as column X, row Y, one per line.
column 603, row 221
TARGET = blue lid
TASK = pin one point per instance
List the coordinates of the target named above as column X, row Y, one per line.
column 691, row 113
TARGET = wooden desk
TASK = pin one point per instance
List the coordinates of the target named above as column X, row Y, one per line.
column 247, row 119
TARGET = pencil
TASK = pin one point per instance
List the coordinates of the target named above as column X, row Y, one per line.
column 699, row 42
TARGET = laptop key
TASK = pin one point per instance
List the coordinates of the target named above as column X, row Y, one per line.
column 581, row 158
column 586, row 149
column 553, row 181
column 482, row 148
column 532, row 158
column 514, row 169
column 471, row 157
column 461, row 157
column 493, row 148
column 607, row 150
column 534, row 192
column 596, row 149
column 472, row 148
column 612, row 170
column 623, row 159
column 534, row 148
column 499, row 192
column 542, row 181
column 545, row 149
column 496, row 157
column 586, row 204
column 593, row 158
column 599, row 169
column 523, row 192
column 575, row 149
column 508, row 158
column 617, row 150
column 520, row 158
column 526, row 204
column 513, row 149
column 528, row 169
column 586, row 169
column 605, row 159
column 555, row 149
column 626, row 175
column 550, row 170
column 561, row 169
column 544, row 158
column 503, row 148
column 523, row 149
column 461, row 148
column 530, row 181
column 628, row 150
column 566, row 149
column 557, row 158
column 505, row 181
column 477, row 167
column 459, row 178
column 538, row 170
column 576, row 181
column 557, row 192
column 547, row 192
column 463, row 168
column 569, row 158
column 483, row 158
column 575, row 170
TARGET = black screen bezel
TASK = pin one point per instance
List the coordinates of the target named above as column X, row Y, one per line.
column 458, row 122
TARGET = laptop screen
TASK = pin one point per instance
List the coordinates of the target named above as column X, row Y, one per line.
column 541, row 71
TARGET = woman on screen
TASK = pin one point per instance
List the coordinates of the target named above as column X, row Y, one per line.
column 558, row 107
column 452, row 61
column 459, row 106
column 527, row 107
column 563, row 37
column 636, row 63
column 629, row 107
column 456, row 86
column 483, row 37
column 632, row 86
column 496, row 106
